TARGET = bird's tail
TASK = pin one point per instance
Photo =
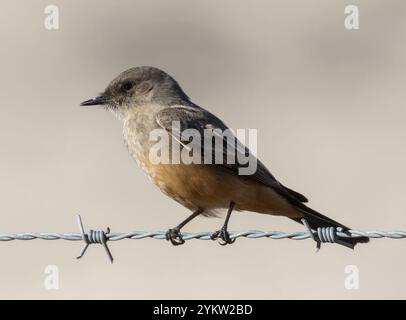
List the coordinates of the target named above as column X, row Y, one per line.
column 316, row 220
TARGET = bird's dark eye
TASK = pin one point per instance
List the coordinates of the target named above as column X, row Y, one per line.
column 127, row 86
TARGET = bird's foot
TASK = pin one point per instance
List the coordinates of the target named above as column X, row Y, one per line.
column 223, row 235
column 174, row 236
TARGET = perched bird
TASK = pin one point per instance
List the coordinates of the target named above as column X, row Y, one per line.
column 147, row 99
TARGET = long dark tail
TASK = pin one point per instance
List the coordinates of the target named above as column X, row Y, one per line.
column 316, row 219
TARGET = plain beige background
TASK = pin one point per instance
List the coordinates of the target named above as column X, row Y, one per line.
column 328, row 103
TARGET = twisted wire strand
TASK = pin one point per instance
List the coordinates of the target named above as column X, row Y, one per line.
column 161, row 235
column 321, row 235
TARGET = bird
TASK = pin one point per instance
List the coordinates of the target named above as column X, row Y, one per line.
column 146, row 99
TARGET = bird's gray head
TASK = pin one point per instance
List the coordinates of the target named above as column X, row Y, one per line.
column 139, row 86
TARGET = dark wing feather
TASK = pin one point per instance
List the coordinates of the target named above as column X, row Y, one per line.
column 194, row 117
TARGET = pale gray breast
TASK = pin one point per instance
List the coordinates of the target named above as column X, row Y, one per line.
column 137, row 126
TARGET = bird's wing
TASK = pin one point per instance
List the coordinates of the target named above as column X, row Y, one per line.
column 200, row 119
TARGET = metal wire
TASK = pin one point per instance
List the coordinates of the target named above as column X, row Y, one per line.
column 328, row 234
column 161, row 235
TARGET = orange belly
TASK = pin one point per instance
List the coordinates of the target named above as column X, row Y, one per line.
column 211, row 187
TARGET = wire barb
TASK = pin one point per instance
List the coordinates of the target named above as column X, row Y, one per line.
column 93, row 237
column 325, row 235
column 318, row 240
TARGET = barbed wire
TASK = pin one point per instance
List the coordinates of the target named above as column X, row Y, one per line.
column 322, row 235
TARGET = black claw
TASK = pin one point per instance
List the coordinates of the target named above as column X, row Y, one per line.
column 222, row 235
column 174, row 236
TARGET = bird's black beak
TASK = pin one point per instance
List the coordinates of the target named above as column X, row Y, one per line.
column 97, row 101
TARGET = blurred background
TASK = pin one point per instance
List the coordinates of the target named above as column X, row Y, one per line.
column 328, row 103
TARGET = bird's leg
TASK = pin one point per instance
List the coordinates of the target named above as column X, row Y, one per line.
column 173, row 235
column 223, row 232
